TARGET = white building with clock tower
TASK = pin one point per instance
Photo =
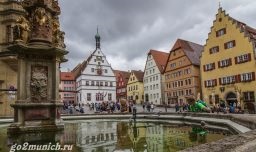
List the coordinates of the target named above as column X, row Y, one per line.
column 95, row 78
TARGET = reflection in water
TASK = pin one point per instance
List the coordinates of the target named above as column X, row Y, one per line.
column 120, row 136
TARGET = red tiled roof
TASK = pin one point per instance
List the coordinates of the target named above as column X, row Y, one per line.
column 191, row 49
column 67, row 76
column 139, row 75
column 160, row 58
column 124, row 74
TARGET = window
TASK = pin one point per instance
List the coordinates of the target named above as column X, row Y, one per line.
column 87, row 83
column 209, row 67
column 97, row 83
column 243, row 58
column 157, row 77
column 111, row 84
column 99, row 96
column 106, row 83
column 187, row 71
column 221, row 32
column 92, row 83
column 225, row 63
column 136, row 87
column 230, row 44
column 92, row 69
column 214, row 49
column 89, row 98
column 210, row 83
column 173, row 65
column 101, row 83
column 189, row 81
column 246, row 77
column 109, row 96
column 106, row 71
column 227, row 80
column 249, row 96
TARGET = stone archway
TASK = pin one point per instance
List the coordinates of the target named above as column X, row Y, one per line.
column 231, row 98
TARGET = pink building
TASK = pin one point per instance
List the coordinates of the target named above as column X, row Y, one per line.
column 67, row 88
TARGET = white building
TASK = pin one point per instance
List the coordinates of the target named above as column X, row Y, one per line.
column 95, row 78
column 154, row 78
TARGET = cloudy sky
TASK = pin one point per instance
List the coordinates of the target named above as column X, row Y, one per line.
column 130, row 28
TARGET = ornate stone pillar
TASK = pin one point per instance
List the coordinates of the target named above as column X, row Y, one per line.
column 39, row 45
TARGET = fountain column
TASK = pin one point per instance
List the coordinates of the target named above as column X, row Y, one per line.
column 39, row 46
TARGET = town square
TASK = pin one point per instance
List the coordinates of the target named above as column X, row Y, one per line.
column 127, row 76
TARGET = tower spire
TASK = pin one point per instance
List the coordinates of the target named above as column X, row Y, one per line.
column 97, row 38
column 219, row 4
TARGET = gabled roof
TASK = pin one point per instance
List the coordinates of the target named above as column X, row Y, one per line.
column 191, row 49
column 67, row 76
column 248, row 31
column 160, row 58
column 81, row 66
column 125, row 75
column 139, row 75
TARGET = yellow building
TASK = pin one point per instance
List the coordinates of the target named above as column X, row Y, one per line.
column 135, row 89
column 9, row 13
column 228, row 63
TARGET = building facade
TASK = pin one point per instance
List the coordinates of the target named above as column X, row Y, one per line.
column 10, row 11
column 182, row 73
column 96, row 81
column 122, row 78
column 154, row 78
column 135, row 88
column 67, row 88
column 228, row 63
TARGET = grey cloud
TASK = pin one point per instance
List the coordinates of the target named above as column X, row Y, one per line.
column 129, row 28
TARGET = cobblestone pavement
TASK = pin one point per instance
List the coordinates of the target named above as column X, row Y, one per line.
column 139, row 109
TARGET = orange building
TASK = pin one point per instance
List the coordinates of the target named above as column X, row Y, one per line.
column 182, row 72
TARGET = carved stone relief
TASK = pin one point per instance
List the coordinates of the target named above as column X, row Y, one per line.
column 38, row 84
column 21, row 29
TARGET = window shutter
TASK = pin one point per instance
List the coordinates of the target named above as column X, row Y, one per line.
column 224, row 30
column 220, row 81
column 253, row 76
column 249, row 57
column 218, row 64
column 205, row 84
column 225, row 45
column 210, row 50
column 238, row 78
column 234, row 43
column 217, row 34
column 204, row 68
column 230, row 61
column 218, row 49
column 215, row 82
column 213, row 65
column 236, row 60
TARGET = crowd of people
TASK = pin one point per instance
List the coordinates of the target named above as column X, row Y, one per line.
column 219, row 107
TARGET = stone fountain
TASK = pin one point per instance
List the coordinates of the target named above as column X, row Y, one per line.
column 39, row 47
